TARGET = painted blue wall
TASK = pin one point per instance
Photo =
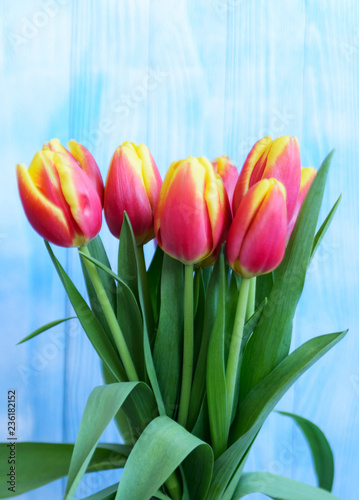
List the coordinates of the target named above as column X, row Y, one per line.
column 201, row 77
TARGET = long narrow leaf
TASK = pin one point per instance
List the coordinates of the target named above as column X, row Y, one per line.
column 98, row 252
column 168, row 344
column 270, row 342
column 102, row 405
column 199, row 380
column 216, row 374
column 41, row 463
column 278, row 488
column 89, row 322
column 129, row 243
column 325, row 226
column 128, row 315
column 161, row 448
column 108, row 493
column 44, row 328
column 154, row 281
column 321, row 451
column 260, row 402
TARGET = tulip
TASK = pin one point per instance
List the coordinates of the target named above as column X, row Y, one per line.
column 257, row 237
column 228, row 172
column 193, row 213
column 278, row 159
column 59, row 198
column 133, row 185
column 306, row 179
column 83, row 157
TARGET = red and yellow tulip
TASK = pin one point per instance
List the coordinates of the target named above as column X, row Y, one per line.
column 278, row 159
column 61, row 196
column 257, row 237
column 306, row 179
column 193, row 214
column 228, row 172
column 133, row 185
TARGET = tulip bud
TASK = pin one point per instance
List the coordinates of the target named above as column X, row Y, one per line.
column 278, row 159
column 83, row 157
column 59, row 198
column 133, row 185
column 257, row 237
column 306, row 179
column 228, row 172
column 193, row 213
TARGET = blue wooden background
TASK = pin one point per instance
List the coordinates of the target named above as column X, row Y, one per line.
column 201, row 77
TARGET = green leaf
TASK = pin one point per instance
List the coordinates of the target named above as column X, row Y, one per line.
column 128, row 315
column 44, row 328
column 154, row 281
column 324, row 227
column 161, row 448
column 127, row 257
column 38, row 464
column 160, row 496
column 199, row 314
column 101, row 407
column 321, row 451
column 247, row 332
column 264, row 285
column 122, row 422
column 130, row 320
column 90, row 323
column 278, row 488
column 97, row 251
column 216, row 374
column 270, row 341
column 129, row 243
column 231, row 307
column 108, row 493
column 167, row 354
column 199, row 381
column 260, row 402
column 201, row 427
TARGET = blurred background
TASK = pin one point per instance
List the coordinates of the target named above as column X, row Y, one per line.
column 201, row 77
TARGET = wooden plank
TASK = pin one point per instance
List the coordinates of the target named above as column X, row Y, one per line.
column 258, row 101
column 34, row 91
column 109, row 48
column 328, row 394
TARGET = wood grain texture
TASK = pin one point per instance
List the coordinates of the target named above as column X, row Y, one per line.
column 186, row 78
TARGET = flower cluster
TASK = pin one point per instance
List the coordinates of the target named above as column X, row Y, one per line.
column 199, row 206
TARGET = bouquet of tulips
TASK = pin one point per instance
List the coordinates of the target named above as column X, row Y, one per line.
column 195, row 347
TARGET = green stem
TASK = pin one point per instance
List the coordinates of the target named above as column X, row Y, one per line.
column 235, row 347
column 173, row 486
column 251, row 298
column 145, row 292
column 187, row 346
column 110, row 317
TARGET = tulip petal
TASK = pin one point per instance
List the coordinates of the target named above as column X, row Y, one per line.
column 55, row 146
column 182, row 219
column 283, row 164
column 306, row 179
column 264, row 245
column 80, row 195
column 260, row 149
column 88, row 165
column 125, row 191
column 256, row 239
column 229, row 174
column 150, row 174
column 45, row 217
